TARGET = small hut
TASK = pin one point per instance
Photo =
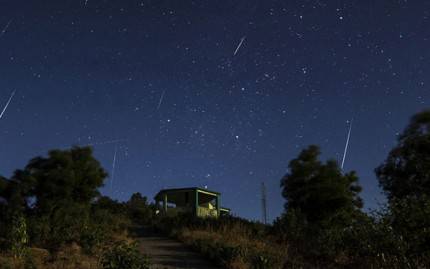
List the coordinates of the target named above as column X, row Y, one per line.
column 200, row 202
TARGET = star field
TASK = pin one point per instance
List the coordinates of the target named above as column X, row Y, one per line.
column 211, row 93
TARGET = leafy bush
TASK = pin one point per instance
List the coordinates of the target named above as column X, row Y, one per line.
column 64, row 225
column 18, row 236
column 92, row 237
column 139, row 210
column 124, row 255
column 29, row 262
column 229, row 241
column 110, row 215
column 263, row 261
column 6, row 264
column 58, row 197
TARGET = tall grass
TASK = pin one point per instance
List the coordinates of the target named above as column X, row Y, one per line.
column 231, row 242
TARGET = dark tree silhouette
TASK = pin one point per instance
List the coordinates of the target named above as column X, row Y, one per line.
column 3, row 187
column 3, row 205
column 405, row 179
column 56, row 192
column 66, row 176
column 319, row 191
column 139, row 209
column 406, row 171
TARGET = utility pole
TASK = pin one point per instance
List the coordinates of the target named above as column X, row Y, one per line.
column 263, row 203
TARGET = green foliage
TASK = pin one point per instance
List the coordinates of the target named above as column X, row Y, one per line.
column 61, row 187
column 110, row 215
column 405, row 178
column 409, row 217
column 323, row 224
column 18, row 236
column 29, row 263
column 319, row 191
column 264, row 261
column 59, row 198
column 139, row 209
column 14, row 196
column 3, row 208
column 92, row 237
column 6, row 265
column 3, row 185
column 406, row 171
column 69, row 176
column 228, row 240
column 291, row 227
column 107, row 204
column 124, row 255
column 64, row 225
column 220, row 252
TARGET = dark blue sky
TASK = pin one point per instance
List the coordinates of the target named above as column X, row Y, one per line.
column 161, row 76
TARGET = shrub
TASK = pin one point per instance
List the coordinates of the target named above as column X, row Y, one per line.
column 92, row 237
column 139, row 210
column 18, row 236
column 29, row 262
column 6, row 264
column 63, row 225
column 234, row 243
column 262, row 262
column 124, row 255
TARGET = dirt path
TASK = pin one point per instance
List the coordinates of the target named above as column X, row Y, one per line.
column 166, row 253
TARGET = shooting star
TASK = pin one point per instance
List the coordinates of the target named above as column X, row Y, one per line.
column 240, row 45
column 107, row 142
column 347, row 145
column 113, row 166
column 161, row 100
column 5, row 28
column 7, row 104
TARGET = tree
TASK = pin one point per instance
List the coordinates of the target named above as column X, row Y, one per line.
column 3, row 185
column 12, row 203
column 66, row 176
column 57, row 192
column 318, row 191
column 405, row 179
column 3, row 205
column 406, row 171
column 322, row 205
column 139, row 209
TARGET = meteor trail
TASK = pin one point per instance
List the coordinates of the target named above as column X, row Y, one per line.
column 161, row 100
column 107, row 142
column 113, row 166
column 7, row 104
column 240, row 45
column 347, row 144
column 5, row 28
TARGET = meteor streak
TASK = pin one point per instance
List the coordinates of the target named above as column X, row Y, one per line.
column 107, row 142
column 240, row 45
column 113, row 166
column 347, row 144
column 7, row 104
column 161, row 100
column 5, row 28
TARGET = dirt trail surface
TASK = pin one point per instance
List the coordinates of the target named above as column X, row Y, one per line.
column 166, row 253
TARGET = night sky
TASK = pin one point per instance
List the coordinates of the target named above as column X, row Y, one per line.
column 220, row 94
